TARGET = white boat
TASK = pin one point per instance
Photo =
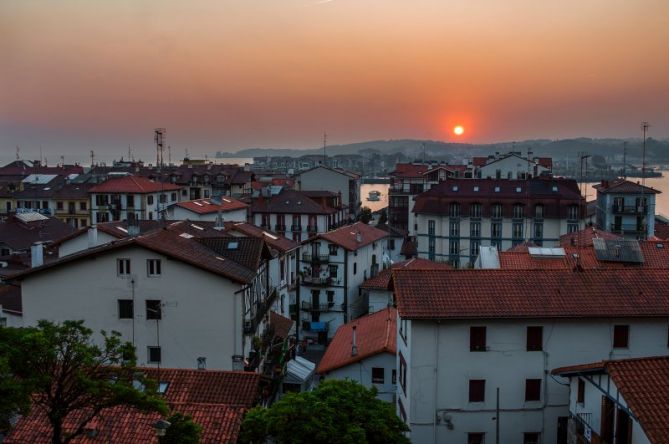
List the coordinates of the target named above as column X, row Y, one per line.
column 374, row 196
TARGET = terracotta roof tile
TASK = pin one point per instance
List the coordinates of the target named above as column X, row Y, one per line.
column 207, row 206
column 471, row 294
column 132, row 184
column 382, row 280
column 623, row 186
column 375, row 333
column 410, row 170
column 584, row 237
column 289, row 202
column 19, row 235
column 274, row 240
column 347, row 236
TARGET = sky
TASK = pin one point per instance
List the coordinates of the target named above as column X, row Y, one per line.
column 227, row 75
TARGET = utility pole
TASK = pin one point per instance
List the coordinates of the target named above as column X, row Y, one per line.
column 644, row 218
column 325, row 142
column 644, row 127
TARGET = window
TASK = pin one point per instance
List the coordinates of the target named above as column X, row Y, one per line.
column 333, row 271
column 580, row 395
column 404, row 324
column 538, row 211
column 163, row 198
column 477, row 339
column 496, row 212
column 330, row 295
column 531, row 438
column 517, row 230
column 154, row 355
column 431, row 227
column 123, row 267
column 333, row 249
column 454, row 248
column 149, row 200
column 538, row 230
column 496, row 229
column 174, row 195
column 535, row 338
column 100, row 199
column 572, row 228
column 454, row 209
column 476, row 390
column 83, row 206
column 475, row 210
column 475, row 438
column 454, row 228
column 474, row 247
column 391, row 244
column 532, row 390
column 621, row 335
column 153, row 309
column 59, row 205
column 355, row 268
column 153, row 267
column 518, row 211
column 572, row 212
column 403, row 374
column 378, row 375
column 125, row 309
column 475, row 229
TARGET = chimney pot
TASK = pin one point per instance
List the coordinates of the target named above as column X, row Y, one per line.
column 354, row 343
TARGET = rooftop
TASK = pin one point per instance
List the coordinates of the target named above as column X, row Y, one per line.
column 354, row 236
column 208, row 206
column 382, row 280
column 132, row 184
column 623, row 186
column 375, row 333
column 289, row 202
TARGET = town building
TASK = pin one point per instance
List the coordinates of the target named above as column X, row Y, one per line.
column 332, row 267
column 131, row 198
column 215, row 400
column 19, row 232
column 229, row 209
column 512, row 165
column 183, row 301
column 365, row 350
column 624, row 401
column 295, row 215
column 322, row 178
column 456, row 217
column 626, row 208
column 464, row 334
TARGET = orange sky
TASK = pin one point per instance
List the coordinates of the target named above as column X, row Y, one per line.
column 234, row 74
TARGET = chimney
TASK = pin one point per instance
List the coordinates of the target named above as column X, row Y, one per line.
column 37, row 255
column 354, row 343
column 358, row 237
column 219, row 221
column 133, row 229
column 92, row 236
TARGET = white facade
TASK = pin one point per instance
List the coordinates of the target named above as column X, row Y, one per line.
column 511, row 166
column 108, row 207
column 91, row 238
column 331, row 277
column 435, row 367
column 202, row 314
column 309, row 224
column 361, row 372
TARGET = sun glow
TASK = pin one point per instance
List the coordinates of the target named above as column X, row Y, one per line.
column 458, row 130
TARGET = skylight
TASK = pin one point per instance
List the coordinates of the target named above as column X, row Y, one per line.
column 122, row 229
column 197, row 227
column 233, row 245
column 496, row 189
column 162, row 387
column 198, row 204
column 476, row 189
column 518, row 189
column 227, row 200
column 271, row 236
column 186, row 235
column 455, row 188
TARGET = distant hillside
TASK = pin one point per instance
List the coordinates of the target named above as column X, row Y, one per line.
column 656, row 150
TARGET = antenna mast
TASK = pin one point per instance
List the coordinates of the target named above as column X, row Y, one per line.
column 644, row 225
column 92, row 158
column 325, row 143
column 159, row 138
column 624, row 160
column 18, row 152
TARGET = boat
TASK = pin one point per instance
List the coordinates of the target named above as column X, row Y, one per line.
column 374, row 196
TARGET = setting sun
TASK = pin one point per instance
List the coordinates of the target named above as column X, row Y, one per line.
column 458, row 130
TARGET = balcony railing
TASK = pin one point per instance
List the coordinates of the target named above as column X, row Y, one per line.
column 630, row 209
column 628, row 228
column 584, row 417
column 316, row 258
column 316, row 281
column 251, row 325
column 328, row 306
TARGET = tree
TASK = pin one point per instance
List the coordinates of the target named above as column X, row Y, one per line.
column 365, row 215
column 65, row 375
column 338, row 411
column 182, row 430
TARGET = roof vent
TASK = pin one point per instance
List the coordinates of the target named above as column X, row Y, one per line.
column 476, row 189
column 455, row 188
column 496, row 189
column 659, row 245
column 555, row 188
column 518, row 189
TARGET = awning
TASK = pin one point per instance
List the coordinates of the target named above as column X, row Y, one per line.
column 299, row 371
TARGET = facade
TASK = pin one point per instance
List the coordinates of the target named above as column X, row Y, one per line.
column 294, row 215
column 365, row 350
column 229, row 208
column 462, row 334
column 131, row 198
column 456, row 217
column 182, row 301
column 625, row 401
column 322, row 178
column 626, row 208
column 332, row 267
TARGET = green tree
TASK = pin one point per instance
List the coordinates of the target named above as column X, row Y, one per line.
column 365, row 215
column 335, row 412
column 65, row 375
column 182, row 430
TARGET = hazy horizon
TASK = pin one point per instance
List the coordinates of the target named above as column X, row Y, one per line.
column 232, row 75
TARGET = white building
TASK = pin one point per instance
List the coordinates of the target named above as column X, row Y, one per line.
column 512, row 166
column 182, row 301
column 322, row 178
column 625, row 401
column 365, row 350
column 131, row 198
column 465, row 333
column 333, row 265
column 228, row 207
column 626, row 208
column 456, row 217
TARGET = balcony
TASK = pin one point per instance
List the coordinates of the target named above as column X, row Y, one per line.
column 311, row 281
column 329, row 306
column 630, row 209
column 628, row 228
column 251, row 325
column 316, row 258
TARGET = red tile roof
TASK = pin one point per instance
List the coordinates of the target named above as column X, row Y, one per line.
column 546, row 162
column 662, row 231
column 472, row 294
column 347, row 236
column 643, row 385
column 274, row 240
column 375, row 333
column 217, row 400
column 289, row 202
column 207, row 206
column 623, row 186
column 382, row 280
column 132, row 184
column 585, row 236
column 410, row 170
column 281, row 324
column 19, row 235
